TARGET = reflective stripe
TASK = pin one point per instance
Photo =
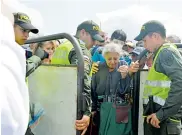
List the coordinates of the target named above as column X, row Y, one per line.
column 169, row 119
column 156, row 99
column 158, row 83
column 174, row 120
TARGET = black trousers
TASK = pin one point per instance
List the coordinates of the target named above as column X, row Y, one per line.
column 167, row 127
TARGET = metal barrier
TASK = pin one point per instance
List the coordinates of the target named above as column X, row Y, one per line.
column 80, row 66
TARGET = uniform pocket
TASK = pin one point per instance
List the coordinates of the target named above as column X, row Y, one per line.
column 173, row 127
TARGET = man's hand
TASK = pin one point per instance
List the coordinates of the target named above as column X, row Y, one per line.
column 134, row 67
column 153, row 120
column 83, row 123
column 95, row 67
column 123, row 70
column 84, row 131
column 41, row 53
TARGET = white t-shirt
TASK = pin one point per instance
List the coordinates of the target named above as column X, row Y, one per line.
column 14, row 92
column 145, row 67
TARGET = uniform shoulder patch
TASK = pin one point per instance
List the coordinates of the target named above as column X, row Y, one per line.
column 87, row 63
column 86, row 58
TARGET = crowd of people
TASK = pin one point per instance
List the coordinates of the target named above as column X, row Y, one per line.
column 109, row 66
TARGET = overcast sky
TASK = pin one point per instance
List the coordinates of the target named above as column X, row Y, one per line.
column 64, row 15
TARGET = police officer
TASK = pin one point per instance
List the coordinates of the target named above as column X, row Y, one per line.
column 163, row 84
column 86, row 33
column 22, row 28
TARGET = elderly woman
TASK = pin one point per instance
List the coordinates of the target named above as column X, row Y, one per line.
column 109, row 86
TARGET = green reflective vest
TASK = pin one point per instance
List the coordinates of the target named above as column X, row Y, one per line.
column 61, row 54
column 157, row 84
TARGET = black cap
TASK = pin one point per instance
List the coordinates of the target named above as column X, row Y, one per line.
column 138, row 50
column 24, row 21
column 119, row 35
column 151, row 26
column 140, row 44
column 92, row 28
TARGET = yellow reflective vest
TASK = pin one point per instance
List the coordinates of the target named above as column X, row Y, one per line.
column 157, row 84
column 61, row 54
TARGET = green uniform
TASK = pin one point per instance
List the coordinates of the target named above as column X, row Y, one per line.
column 169, row 62
column 164, row 82
column 87, row 69
column 32, row 63
column 167, row 91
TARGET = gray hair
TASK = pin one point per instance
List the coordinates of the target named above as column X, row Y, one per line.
column 112, row 47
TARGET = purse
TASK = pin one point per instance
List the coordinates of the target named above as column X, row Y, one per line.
column 122, row 113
